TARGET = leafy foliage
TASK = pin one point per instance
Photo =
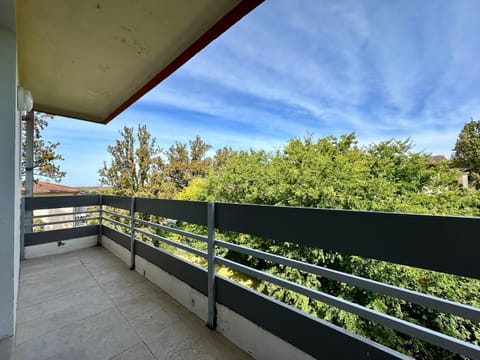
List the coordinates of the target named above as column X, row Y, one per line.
column 45, row 156
column 336, row 173
column 467, row 150
column 139, row 167
column 186, row 162
column 132, row 166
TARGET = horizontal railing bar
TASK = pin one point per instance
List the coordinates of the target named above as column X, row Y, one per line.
column 341, row 230
column 419, row 332
column 62, row 214
column 173, row 230
column 173, row 243
column 123, row 216
column 433, row 302
column 116, row 201
column 51, row 236
column 53, row 202
column 116, row 222
column 118, row 231
column 62, row 222
column 190, row 211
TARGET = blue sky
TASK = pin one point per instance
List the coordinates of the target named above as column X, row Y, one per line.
column 380, row 68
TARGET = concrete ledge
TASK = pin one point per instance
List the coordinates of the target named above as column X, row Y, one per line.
column 54, row 248
column 251, row 338
column 190, row 298
column 46, row 237
column 245, row 334
column 116, row 249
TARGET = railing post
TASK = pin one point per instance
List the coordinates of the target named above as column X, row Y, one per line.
column 29, row 159
column 100, row 220
column 74, row 216
column 22, row 229
column 212, row 316
column 132, row 233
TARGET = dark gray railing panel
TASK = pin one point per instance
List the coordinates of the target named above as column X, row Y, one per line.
column 120, row 202
column 114, row 235
column 45, row 237
column 191, row 274
column 440, row 243
column 190, row 211
column 173, row 243
column 198, row 237
column 316, row 337
column 429, row 301
column 53, row 202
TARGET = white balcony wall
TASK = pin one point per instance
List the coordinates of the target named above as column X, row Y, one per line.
column 9, row 170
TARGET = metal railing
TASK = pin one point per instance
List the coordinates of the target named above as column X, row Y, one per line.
column 127, row 221
column 76, row 220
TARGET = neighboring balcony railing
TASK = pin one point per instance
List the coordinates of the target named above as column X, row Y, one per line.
column 439, row 243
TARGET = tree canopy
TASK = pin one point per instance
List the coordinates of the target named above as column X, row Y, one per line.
column 135, row 162
column 45, row 155
column 139, row 167
column 186, row 162
column 336, row 173
column 466, row 153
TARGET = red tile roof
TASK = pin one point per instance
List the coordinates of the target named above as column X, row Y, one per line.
column 437, row 158
column 43, row 187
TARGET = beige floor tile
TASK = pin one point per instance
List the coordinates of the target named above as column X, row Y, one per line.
column 101, row 336
column 137, row 352
column 51, row 287
column 87, row 304
column 37, row 320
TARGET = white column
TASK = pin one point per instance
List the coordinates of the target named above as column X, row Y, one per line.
column 9, row 170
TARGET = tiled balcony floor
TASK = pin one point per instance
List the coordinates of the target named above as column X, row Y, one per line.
column 88, row 304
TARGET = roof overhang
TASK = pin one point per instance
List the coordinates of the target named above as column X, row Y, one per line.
column 91, row 59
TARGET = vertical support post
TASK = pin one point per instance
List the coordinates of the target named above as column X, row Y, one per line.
column 132, row 234
column 74, row 216
column 29, row 134
column 212, row 311
column 100, row 220
column 22, row 229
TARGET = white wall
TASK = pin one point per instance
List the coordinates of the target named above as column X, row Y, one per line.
column 9, row 170
column 66, row 246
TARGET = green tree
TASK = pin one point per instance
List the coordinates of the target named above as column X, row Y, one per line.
column 135, row 161
column 139, row 167
column 221, row 157
column 335, row 172
column 45, row 156
column 186, row 162
column 466, row 153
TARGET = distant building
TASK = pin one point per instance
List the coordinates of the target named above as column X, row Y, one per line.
column 44, row 188
column 462, row 177
column 436, row 159
column 73, row 215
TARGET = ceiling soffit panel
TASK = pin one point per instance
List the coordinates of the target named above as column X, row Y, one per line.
column 92, row 59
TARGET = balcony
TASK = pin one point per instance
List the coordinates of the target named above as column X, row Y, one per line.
column 80, row 300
